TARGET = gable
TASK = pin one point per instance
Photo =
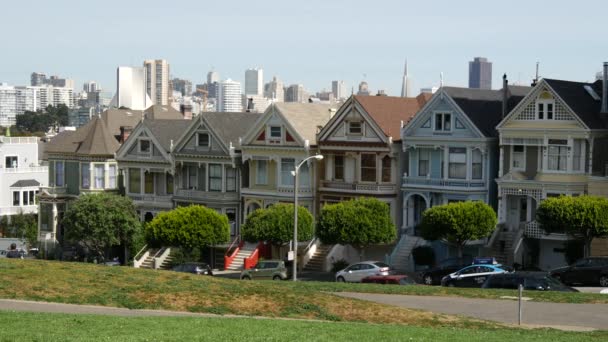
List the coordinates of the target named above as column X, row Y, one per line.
column 200, row 139
column 142, row 145
column 352, row 123
column 432, row 121
column 272, row 130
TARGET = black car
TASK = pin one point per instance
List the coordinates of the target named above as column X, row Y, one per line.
column 586, row 271
column 194, row 267
column 536, row 281
column 434, row 275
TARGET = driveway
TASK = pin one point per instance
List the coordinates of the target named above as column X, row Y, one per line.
column 557, row 315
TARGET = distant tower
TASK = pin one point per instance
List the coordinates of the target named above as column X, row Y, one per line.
column 406, row 86
column 480, row 73
column 157, row 81
column 254, row 82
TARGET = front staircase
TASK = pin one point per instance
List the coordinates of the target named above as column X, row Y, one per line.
column 401, row 258
column 153, row 258
column 239, row 261
column 317, row 262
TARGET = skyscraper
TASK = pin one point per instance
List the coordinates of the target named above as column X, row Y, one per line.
column 157, row 81
column 90, row 86
column 254, row 82
column 37, row 79
column 229, row 96
column 363, row 89
column 480, row 73
column 213, row 76
column 406, row 86
column 274, row 90
column 131, row 89
column 182, row 86
column 338, row 88
column 296, row 93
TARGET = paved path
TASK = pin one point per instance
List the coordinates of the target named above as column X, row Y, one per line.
column 557, row 315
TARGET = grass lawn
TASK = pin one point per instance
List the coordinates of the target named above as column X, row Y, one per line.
column 64, row 327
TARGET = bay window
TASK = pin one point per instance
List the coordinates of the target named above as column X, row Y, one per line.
column 215, row 177
column 424, row 156
column 304, row 176
column 148, row 182
column 476, row 164
column 557, row 154
column 112, row 177
column 134, row 181
column 368, row 167
column 287, row 165
column 59, row 173
column 519, row 157
column 338, row 167
column 457, row 167
column 99, row 176
column 261, row 174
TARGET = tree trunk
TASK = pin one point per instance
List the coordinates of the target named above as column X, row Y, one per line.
column 587, row 251
column 460, row 250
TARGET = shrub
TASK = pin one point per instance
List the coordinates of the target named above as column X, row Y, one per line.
column 339, row 265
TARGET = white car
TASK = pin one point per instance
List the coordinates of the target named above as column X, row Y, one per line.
column 356, row 272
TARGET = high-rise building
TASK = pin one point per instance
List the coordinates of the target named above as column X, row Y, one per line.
column 338, row 88
column 90, row 87
column 296, row 93
column 17, row 100
column 274, row 90
column 57, row 81
column 254, row 82
column 480, row 73
column 131, row 89
column 229, row 96
column 363, row 89
column 37, row 79
column 8, row 105
column 406, row 85
column 184, row 87
column 213, row 77
column 157, row 81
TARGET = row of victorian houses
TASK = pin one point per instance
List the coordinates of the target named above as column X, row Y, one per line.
column 511, row 148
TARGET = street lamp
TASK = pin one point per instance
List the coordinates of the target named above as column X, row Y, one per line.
column 295, row 210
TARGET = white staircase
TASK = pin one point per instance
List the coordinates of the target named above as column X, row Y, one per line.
column 239, row 260
column 401, row 258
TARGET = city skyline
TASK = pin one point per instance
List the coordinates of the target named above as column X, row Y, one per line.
column 305, row 54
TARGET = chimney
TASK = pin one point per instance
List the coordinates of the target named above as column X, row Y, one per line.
column 250, row 104
column 125, row 131
column 186, row 110
column 505, row 95
column 605, row 89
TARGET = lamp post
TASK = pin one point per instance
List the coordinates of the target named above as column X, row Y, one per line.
column 295, row 211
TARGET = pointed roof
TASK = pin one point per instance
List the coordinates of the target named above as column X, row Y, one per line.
column 580, row 100
column 230, row 126
column 166, row 130
column 92, row 139
column 389, row 111
column 305, row 117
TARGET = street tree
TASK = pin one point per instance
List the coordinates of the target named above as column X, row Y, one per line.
column 359, row 222
column 581, row 217
column 275, row 224
column 100, row 221
column 458, row 222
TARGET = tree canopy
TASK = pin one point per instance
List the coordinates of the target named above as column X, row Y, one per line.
column 458, row 222
column 582, row 217
column 359, row 222
column 100, row 221
column 190, row 227
column 41, row 121
column 22, row 226
column 275, row 224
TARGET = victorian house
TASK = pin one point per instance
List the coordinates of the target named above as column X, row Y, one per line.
column 553, row 143
column 452, row 155
column 361, row 145
column 283, row 137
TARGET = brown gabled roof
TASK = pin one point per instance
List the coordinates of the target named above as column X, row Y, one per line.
column 390, row 111
column 92, row 139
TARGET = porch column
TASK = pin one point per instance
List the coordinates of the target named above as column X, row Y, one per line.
column 446, row 162
column 529, row 209
column 54, row 223
column 500, row 162
column 404, row 210
column 223, row 177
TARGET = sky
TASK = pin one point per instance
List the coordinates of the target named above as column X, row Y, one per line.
column 310, row 42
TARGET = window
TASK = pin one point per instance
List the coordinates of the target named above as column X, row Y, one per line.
column 203, row 140
column 544, row 106
column 368, row 167
column 577, row 155
column 423, row 162
column 26, row 200
column 215, row 177
column 112, row 176
column 355, row 127
column 386, row 169
column 144, row 146
column 85, row 176
column 230, row 179
column 287, row 165
column 169, row 183
column 32, row 197
column 134, row 181
column 148, row 182
column 16, row 198
column 457, row 167
column 10, row 162
column 99, row 176
column 192, row 177
column 557, row 154
column 304, row 176
column 275, row 132
column 519, row 157
column 477, row 166
column 541, row 111
column 338, row 167
column 59, row 173
column 443, row 122
column 261, row 176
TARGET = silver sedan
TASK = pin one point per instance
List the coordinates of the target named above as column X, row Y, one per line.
column 356, row 272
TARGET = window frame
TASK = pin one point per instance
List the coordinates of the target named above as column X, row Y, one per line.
column 523, row 161
column 132, row 173
column 443, row 116
column 341, row 167
column 139, row 146
column 473, row 153
column 11, row 156
column 544, row 113
column 427, row 154
column 103, row 176
column 215, row 178
column 286, row 171
column 375, row 168
column 62, row 163
column 384, row 168
column 231, row 179
column 350, row 128
column 258, row 171
column 198, row 140
column 85, row 168
column 112, row 176
column 450, row 175
column 564, row 153
column 17, row 197
column 270, row 133
column 149, row 175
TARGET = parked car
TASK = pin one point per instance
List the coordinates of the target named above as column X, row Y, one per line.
column 585, row 271
column 434, row 275
column 194, row 267
column 389, row 279
column 535, row 281
column 471, row 276
column 356, row 272
column 267, row 269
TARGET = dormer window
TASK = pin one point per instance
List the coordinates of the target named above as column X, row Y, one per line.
column 275, row 132
column 443, row 122
column 355, row 127
column 202, row 140
column 545, row 105
column 144, row 146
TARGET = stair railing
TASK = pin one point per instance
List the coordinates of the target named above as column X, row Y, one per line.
column 252, row 259
column 160, row 259
column 309, row 252
column 143, row 255
column 230, row 256
column 388, row 258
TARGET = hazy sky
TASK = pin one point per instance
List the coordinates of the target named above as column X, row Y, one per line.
column 310, row 42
